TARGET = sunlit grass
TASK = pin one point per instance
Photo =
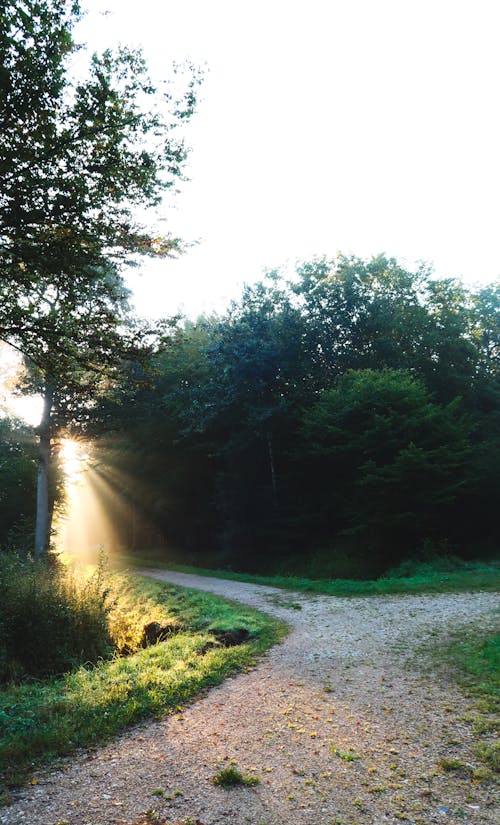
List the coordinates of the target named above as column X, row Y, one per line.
column 45, row 719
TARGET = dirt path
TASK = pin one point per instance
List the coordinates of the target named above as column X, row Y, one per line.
column 339, row 722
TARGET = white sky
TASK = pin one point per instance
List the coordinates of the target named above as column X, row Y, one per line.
column 363, row 126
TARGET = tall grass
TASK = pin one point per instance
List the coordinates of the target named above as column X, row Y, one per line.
column 51, row 619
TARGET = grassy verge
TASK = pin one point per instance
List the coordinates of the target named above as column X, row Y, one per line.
column 473, row 577
column 44, row 719
column 472, row 659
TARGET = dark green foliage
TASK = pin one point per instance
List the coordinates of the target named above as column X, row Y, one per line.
column 17, row 484
column 341, row 423
column 49, row 620
column 386, row 464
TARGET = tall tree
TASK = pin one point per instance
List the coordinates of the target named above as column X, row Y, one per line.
column 76, row 159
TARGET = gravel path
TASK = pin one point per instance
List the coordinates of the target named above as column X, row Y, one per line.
column 340, row 722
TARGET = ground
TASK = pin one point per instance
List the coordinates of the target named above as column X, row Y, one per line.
column 342, row 723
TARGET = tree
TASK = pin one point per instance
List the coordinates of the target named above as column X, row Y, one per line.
column 375, row 314
column 253, row 439
column 76, row 159
column 17, row 476
column 389, row 463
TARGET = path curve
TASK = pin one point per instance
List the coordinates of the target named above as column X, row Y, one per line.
column 339, row 722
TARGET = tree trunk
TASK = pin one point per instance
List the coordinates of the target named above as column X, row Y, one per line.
column 43, row 519
column 272, row 468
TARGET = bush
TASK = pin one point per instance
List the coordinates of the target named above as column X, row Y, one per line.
column 51, row 619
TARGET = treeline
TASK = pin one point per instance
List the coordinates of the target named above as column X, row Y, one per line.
column 334, row 424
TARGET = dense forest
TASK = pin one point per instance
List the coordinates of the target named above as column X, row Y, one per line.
column 339, row 422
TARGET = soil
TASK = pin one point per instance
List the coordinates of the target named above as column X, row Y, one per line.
column 346, row 722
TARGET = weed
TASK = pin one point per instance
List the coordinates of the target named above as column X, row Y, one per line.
column 346, row 756
column 51, row 618
column 173, row 794
column 231, row 777
column 489, row 754
column 448, row 764
column 282, row 601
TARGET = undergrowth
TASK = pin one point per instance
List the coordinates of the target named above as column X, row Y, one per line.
column 43, row 719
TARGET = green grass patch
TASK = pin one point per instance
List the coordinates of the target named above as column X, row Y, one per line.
column 346, row 756
column 231, row 777
column 49, row 718
column 426, row 578
column 472, row 658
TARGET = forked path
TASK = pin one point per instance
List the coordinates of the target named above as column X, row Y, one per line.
column 341, row 722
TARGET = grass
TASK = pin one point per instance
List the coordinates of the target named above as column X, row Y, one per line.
column 52, row 618
column 472, row 657
column 231, row 777
column 426, row 578
column 346, row 756
column 44, row 719
column 477, row 659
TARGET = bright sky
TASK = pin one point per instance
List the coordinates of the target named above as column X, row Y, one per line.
column 363, row 126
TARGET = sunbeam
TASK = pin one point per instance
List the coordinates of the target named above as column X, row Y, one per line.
column 95, row 513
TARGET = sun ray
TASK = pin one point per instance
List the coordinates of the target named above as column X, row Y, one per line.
column 96, row 513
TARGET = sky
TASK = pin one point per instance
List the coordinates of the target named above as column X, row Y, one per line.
column 360, row 126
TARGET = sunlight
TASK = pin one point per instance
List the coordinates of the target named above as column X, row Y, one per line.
column 94, row 514
column 73, row 457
